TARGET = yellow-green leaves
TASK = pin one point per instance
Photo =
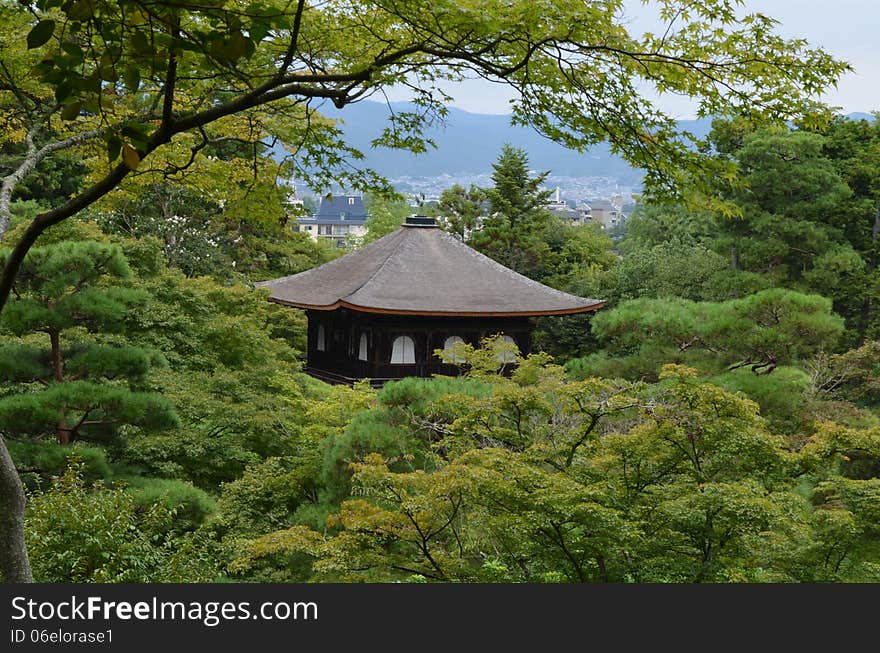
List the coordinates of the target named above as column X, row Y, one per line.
column 130, row 156
column 71, row 111
column 222, row 51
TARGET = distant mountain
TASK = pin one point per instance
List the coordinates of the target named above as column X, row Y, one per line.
column 470, row 143
column 860, row 115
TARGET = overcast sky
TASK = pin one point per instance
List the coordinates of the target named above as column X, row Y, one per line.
column 849, row 29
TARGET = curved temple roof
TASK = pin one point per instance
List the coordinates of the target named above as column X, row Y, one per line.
column 422, row 270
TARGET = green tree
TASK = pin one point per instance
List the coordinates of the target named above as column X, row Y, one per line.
column 514, row 233
column 791, row 204
column 680, row 269
column 854, row 148
column 583, row 263
column 233, row 372
column 201, row 236
column 292, row 489
column 846, row 463
column 807, row 208
column 658, row 223
column 182, row 219
column 808, row 201
column 533, row 478
column 580, row 255
column 853, row 374
column 759, row 332
column 75, row 381
column 461, row 209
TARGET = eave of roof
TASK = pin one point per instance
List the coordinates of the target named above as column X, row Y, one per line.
column 385, row 311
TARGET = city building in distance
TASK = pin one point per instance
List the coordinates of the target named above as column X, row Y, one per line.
column 338, row 216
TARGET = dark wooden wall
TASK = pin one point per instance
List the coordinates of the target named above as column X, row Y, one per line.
column 343, row 328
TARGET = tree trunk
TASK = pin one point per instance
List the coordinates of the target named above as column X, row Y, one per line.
column 57, row 369
column 14, row 564
column 873, row 259
column 734, row 259
column 62, row 431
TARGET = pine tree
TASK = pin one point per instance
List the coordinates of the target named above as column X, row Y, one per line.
column 461, row 209
column 514, row 234
column 67, row 371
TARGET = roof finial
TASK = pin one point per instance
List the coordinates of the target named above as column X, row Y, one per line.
column 420, row 221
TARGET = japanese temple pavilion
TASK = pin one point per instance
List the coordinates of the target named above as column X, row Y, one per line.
column 381, row 311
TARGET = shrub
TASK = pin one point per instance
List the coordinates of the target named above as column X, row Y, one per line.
column 189, row 505
column 77, row 533
column 38, row 462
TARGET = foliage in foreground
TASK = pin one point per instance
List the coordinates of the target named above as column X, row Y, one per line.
column 98, row 534
column 534, row 478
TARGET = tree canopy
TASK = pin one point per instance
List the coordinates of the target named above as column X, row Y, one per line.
column 131, row 95
column 534, row 478
column 170, row 82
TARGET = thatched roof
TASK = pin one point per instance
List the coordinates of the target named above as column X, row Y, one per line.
column 422, row 270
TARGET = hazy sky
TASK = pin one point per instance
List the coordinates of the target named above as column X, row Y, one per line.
column 849, row 29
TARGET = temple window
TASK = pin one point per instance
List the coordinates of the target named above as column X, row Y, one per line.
column 321, row 345
column 403, row 351
column 362, row 348
column 449, row 343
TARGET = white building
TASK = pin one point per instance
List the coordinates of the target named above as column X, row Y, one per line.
column 608, row 213
column 578, row 216
column 338, row 217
